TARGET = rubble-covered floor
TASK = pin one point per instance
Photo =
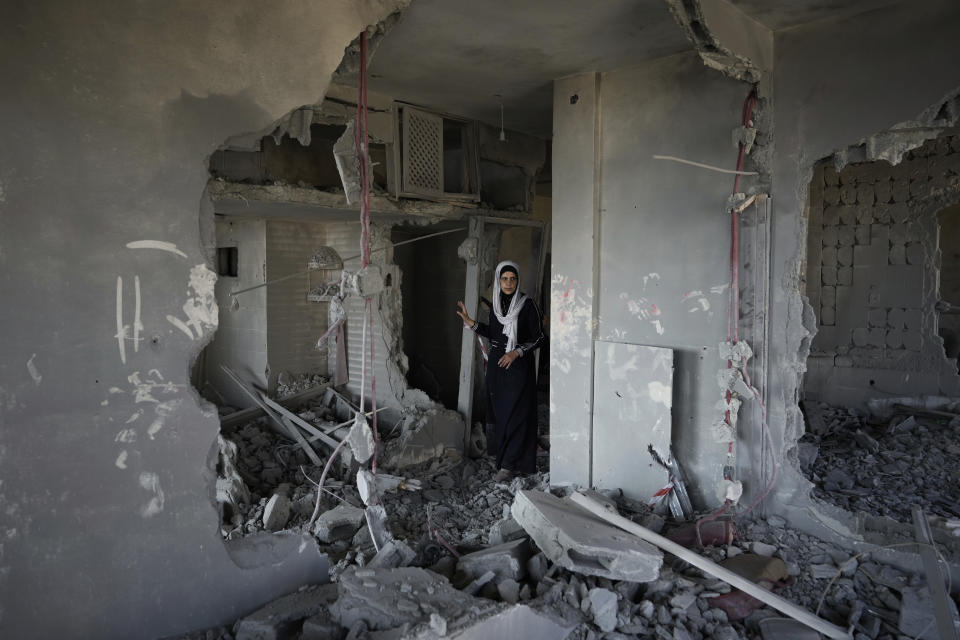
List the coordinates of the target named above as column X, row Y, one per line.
column 879, row 601
column 883, row 466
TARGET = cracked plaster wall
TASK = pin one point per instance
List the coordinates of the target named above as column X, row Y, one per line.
column 103, row 451
column 836, row 84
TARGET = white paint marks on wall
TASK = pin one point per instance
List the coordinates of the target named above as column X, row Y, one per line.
column 33, row 371
column 200, row 308
column 717, row 289
column 649, row 278
column 137, row 324
column 162, row 411
column 660, row 392
column 151, row 482
column 121, row 328
column 136, row 415
column 571, row 331
column 159, row 245
column 645, row 310
column 126, row 436
column 121, row 461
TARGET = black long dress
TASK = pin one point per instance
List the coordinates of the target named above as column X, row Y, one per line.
column 512, row 393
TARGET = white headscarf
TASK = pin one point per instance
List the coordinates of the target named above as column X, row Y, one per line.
column 508, row 319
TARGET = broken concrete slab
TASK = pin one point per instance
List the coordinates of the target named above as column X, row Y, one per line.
column 519, row 621
column 917, row 616
column 339, row 523
column 577, row 540
column 282, row 617
column 508, row 560
column 388, row 598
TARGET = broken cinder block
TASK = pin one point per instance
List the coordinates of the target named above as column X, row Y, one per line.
column 339, row 523
column 507, row 561
column 577, row 540
column 281, row 618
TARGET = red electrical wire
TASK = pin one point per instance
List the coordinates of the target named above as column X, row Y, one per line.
column 733, row 309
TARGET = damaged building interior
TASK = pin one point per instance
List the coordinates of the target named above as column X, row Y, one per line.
column 237, row 401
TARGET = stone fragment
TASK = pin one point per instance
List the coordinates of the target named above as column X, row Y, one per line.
column 281, row 618
column 509, row 591
column 777, row 522
column 505, row 530
column 277, row 512
column 864, row 440
column 823, row 571
column 508, row 560
column 683, row 600
column 786, row 629
column 576, row 540
column 518, row 621
column 838, row 479
column 438, row 624
column 537, row 567
column 339, row 523
column 763, row 549
column 360, row 439
column 603, row 608
column 321, row 627
column 395, row 553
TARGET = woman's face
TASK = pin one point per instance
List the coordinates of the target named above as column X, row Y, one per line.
column 508, row 282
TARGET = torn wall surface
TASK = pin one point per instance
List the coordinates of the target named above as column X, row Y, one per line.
column 126, row 161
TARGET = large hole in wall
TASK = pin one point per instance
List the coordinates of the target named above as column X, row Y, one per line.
column 880, row 390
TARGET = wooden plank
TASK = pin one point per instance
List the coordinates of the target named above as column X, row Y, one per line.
column 750, row 588
column 942, row 611
column 252, row 413
column 300, row 422
column 257, row 397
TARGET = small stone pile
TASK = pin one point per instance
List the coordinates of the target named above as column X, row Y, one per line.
column 884, row 468
column 289, row 384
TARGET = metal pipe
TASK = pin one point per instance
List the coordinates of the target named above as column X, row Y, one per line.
column 300, row 273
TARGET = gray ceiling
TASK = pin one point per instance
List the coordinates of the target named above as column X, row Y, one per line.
column 456, row 54
column 782, row 14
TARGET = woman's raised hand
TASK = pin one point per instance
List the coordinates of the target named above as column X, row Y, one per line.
column 462, row 312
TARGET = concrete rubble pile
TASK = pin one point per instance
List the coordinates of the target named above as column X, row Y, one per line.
column 518, row 560
column 444, row 551
column 883, row 465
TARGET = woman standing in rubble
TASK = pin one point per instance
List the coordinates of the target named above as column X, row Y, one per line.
column 515, row 332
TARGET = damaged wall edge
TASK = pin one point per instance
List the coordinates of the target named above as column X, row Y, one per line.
column 146, row 517
column 852, row 106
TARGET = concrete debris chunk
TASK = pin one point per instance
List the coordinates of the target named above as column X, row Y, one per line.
column 577, row 540
column 899, row 424
column 479, row 582
column 277, row 512
column 865, row 441
column 339, row 523
column 508, row 560
column 509, row 590
column 388, row 598
column 505, row 530
column 395, row 553
column 321, row 627
column 281, row 618
column 763, row 549
column 603, row 608
column 360, row 439
column 518, row 621
column 376, row 517
column 786, row 629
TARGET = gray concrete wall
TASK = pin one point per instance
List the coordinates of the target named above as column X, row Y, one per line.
column 662, row 252
column 241, row 338
column 107, row 128
column 835, row 84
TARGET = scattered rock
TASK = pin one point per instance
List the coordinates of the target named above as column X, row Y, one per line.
column 507, row 560
column 339, row 523
column 277, row 512
column 603, row 608
column 763, row 549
